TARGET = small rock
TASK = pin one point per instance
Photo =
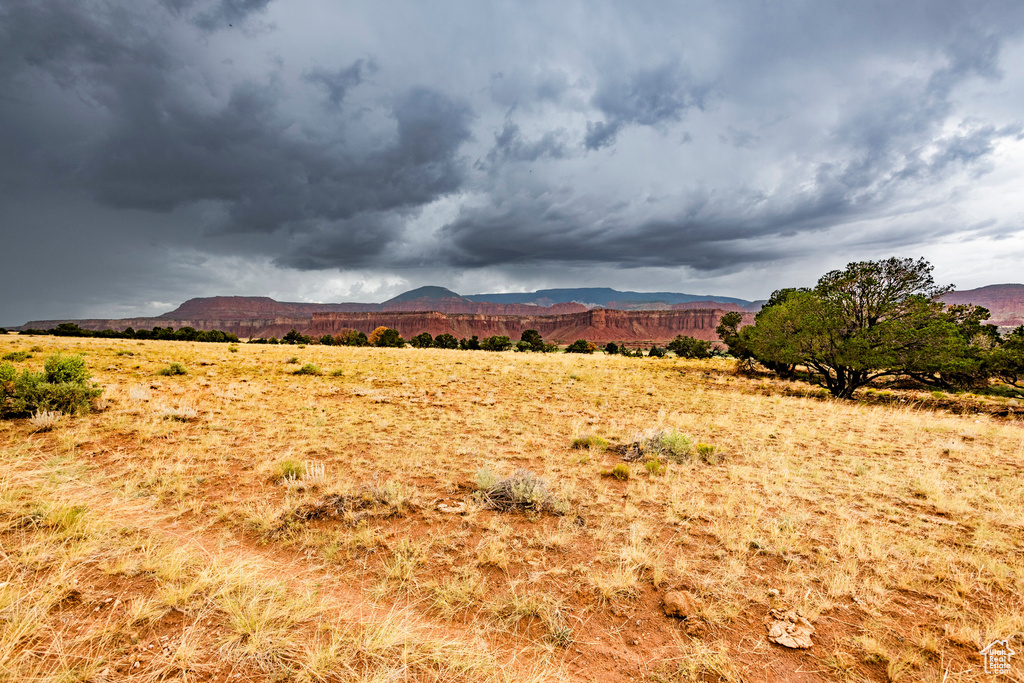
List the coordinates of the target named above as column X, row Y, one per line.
column 679, row 604
column 789, row 629
column 773, row 592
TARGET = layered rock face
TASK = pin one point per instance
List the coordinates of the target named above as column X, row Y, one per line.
column 598, row 325
column 1004, row 302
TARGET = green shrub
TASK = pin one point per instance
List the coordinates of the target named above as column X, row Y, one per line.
column 293, row 360
column 308, row 369
column 665, row 444
column 688, row 347
column 446, row 341
column 17, row 356
column 62, row 386
column 620, row 471
column 580, row 346
column 60, row 369
column 498, row 342
column 655, row 468
column 337, row 373
column 674, row 445
column 173, row 369
column 423, row 340
column 708, row 453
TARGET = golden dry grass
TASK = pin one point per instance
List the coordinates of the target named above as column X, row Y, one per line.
column 184, row 532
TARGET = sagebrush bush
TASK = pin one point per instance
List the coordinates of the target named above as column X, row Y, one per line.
column 667, row 444
column 173, row 369
column 308, row 369
column 522, row 491
column 63, row 386
column 17, row 356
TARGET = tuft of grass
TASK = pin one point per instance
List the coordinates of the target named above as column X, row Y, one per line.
column 708, row 453
column 45, row 420
column 589, row 441
column 308, row 369
column 17, row 356
column 655, row 468
column 337, row 373
column 290, row 469
column 620, row 472
column 173, row 369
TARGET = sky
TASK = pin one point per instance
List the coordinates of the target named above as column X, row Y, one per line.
column 314, row 150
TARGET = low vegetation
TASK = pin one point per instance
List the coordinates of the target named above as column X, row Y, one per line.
column 430, row 515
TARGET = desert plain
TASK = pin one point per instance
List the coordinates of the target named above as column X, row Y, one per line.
column 245, row 522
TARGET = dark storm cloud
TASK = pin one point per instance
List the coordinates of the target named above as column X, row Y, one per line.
column 647, row 97
column 162, row 149
column 165, row 154
column 510, row 145
column 336, row 84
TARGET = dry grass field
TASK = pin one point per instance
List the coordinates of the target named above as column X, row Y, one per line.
column 243, row 522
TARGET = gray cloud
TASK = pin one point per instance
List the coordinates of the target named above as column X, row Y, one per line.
column 336, row 84
column 510, row 145
column 646, row 97
column 705, row 139
column 227, row 13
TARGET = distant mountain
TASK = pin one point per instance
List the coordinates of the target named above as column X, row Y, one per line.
column 1004, row 302
column 425, row 293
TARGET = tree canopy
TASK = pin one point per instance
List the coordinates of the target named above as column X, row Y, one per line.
column 871, row 319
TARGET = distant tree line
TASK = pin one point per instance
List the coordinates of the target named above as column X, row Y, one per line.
column 878, row 319
column 169, row 333
column 530, row 341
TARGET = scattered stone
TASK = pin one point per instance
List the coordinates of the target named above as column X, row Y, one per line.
column 789, row 629
column 679, row 604
column 773, row 592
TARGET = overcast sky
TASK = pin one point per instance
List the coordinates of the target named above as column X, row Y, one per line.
column 316, row 150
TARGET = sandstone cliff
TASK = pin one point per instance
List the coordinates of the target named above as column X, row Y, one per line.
column 1004, row 302
column 598, row 325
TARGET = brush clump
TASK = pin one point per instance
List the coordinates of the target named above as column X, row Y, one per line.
column 522, row 491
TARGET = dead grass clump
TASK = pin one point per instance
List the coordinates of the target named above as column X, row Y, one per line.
column 390, row 499
column 522, row 491
column 589, row 441
column 179, row 413
column 45, row 420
